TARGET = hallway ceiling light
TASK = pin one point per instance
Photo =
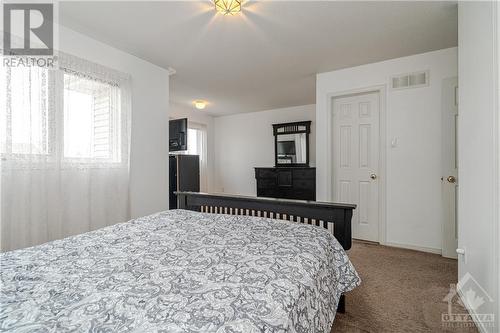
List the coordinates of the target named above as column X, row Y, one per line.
column 200, row 105
column 228, row 7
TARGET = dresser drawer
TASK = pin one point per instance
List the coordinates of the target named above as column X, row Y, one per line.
column 304, row 184
column 284, row 178
column 304, row 174
column 268, row 192
column 265, row 183
column 265, row 173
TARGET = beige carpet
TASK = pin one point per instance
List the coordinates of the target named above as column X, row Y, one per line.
column 401, row 291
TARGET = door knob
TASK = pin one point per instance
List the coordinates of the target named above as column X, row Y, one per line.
column 451, row 179
column 373, row 176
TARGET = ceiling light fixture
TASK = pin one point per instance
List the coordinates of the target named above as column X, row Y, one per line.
column 228, row 7
column 200, row 105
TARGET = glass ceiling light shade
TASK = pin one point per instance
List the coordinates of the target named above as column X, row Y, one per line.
column 200, row 105
column 228, row 7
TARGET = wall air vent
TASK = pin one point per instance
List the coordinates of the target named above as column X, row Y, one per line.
column 411, row 80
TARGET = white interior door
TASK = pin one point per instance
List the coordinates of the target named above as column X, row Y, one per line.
column 449, row 176
column 356, row 160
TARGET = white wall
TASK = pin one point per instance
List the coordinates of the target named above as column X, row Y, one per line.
column 245, row 141
column 478, row 172
column 413, row 116
column 200, row 117
column 149, row 138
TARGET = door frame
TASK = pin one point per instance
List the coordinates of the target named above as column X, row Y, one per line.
column 382, row 178
column 447, row 250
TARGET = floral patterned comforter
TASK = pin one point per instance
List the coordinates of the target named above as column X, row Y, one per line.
column 178, row 271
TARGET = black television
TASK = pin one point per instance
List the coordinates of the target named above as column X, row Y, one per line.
column 177, row 134
column 286, row 148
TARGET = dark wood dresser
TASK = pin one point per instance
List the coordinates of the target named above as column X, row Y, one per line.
column 287, row 183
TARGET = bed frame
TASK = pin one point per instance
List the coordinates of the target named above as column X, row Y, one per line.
column 332, row 216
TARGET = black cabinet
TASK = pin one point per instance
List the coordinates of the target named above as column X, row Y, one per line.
column 287, row 183
column 184, row 175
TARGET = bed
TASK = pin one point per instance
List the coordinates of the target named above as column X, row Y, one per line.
column 218, row 264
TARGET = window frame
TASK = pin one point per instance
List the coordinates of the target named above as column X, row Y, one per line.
column 55, row 128
column 120, row 135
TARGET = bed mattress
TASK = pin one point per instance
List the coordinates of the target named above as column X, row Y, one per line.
column 179, row 271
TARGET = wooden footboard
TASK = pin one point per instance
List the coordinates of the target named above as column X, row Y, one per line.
column 335, row 217
column 332, row 216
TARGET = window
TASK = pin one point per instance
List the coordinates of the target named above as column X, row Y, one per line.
column 24, row 118
column 197, row 145
column 92, row 126
column 62, row 115
column 195, row 142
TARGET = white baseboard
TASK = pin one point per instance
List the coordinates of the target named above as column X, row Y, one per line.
column 414, row 247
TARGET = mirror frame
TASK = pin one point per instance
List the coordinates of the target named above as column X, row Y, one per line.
column 291, row 128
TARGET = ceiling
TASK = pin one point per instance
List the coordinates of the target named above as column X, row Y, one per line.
column 266, row 57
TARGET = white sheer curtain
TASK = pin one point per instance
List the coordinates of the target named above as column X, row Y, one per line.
column 197, row 145
column 64, row 146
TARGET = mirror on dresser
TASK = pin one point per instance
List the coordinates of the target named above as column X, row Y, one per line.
column 291, row 144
